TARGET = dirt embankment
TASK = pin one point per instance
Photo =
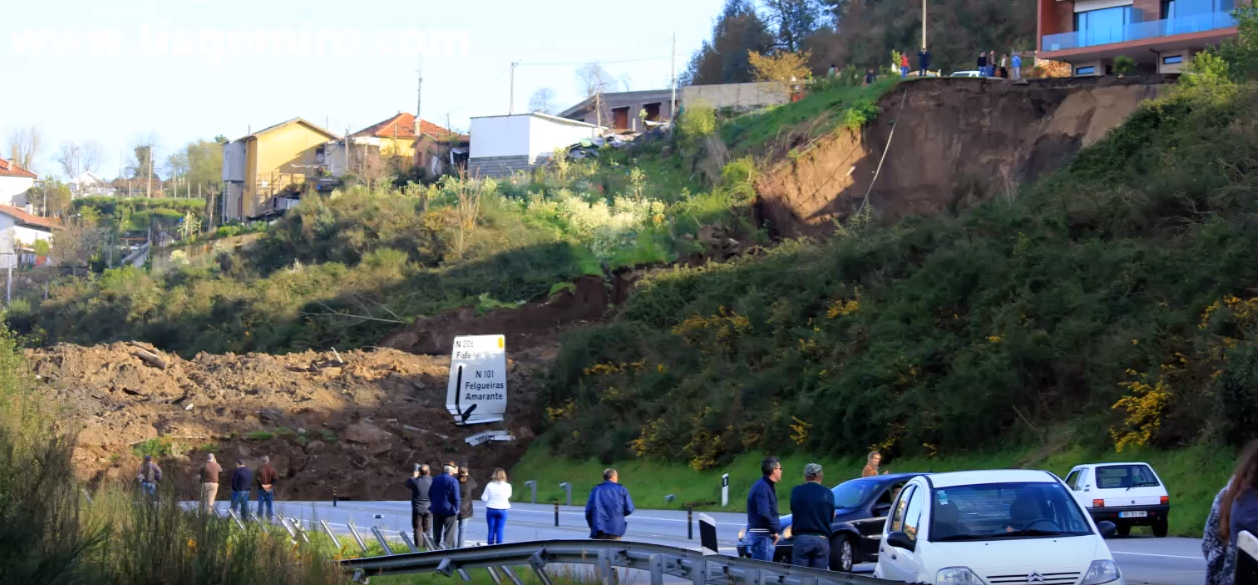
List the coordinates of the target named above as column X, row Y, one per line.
column 956, row 141
column 356, row 423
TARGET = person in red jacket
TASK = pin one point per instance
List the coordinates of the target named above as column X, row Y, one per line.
column 904, row 65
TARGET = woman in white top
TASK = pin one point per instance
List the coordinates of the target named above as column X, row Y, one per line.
column 497, row 496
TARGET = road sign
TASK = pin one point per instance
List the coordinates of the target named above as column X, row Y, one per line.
column 487, row 436
column 477, row 391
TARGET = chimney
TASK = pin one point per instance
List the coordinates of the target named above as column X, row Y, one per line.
column 30, row 208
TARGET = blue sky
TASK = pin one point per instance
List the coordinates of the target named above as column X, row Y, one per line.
column 178, row 70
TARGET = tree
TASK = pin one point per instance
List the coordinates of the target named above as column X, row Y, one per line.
column 594, row 81
column 25, row 144
column 543, row 101
column 794, row 20
column 70, row 156
column 783, row 67
column 723, row 59
column 51, row 197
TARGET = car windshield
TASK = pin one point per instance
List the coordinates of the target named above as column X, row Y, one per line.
column 1125, row 476
column 851, row 494
column 1005, row 510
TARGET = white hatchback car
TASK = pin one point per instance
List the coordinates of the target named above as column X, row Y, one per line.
column 1127, row 494
column 993, row 528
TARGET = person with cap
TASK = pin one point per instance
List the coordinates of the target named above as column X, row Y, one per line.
column 209, row 483
column 266, row 487
column 420, row 483
column 608, row 505
column 242, row 484
column 812, row 509
column 150, row 473
column 445, row 507
column 763, row 525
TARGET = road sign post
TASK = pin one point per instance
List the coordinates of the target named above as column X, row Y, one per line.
column 532, row 485
column 725, row 491
column 567, row 487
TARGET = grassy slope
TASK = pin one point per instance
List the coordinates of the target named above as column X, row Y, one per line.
column 1193, row 476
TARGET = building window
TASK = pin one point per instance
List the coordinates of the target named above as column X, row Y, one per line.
column 1107, row 25
column 1089, row 70
column 1173, row 60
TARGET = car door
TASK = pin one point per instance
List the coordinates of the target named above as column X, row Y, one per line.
column 1079, row 481
column 871, row 528
column 900, row 564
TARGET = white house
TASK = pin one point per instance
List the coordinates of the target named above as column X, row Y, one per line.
column 19, row 230
column 88, row 184
column 15, row 181
column 502, row 145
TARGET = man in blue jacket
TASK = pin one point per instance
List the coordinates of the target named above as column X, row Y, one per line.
column 763, row 526
column 444, row 494
column 607, row 507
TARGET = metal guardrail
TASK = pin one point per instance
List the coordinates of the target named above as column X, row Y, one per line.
column 604, row 556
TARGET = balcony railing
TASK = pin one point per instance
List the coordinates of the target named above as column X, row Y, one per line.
column 1137, row 31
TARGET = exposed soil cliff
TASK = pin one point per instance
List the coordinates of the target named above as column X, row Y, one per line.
column 955, row 140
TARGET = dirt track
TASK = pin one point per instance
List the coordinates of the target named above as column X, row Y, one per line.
column 356, row 424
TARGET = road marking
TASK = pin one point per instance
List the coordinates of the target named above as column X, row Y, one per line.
column 361, row 506
column 1119, row 552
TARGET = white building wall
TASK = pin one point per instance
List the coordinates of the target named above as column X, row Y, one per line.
column 12, row 187
column 234, row 161
column 546, row 135
column 26, row 237
column 500, row 136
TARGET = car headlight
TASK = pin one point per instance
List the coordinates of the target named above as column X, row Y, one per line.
column 957, row 576
column 1101, row 572
column 786, row 533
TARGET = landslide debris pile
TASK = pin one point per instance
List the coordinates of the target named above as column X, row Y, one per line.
column 355, row 420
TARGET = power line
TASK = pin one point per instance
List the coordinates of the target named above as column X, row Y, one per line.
column 597, row 62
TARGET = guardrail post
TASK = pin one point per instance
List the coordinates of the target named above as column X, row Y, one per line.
column 429, row 543
column 690, row 522
column 327, row 529
column 494, row 575
column 567, row 487
column 538, row 563
column 353, row 531
column 532, row 485
column 284, row 523
column 406, row 539
column 510, row 573
column 380, row 539
column 239, row 524
column 606, row 574
column 699, row 572
column 656, row 563
column 88, row 496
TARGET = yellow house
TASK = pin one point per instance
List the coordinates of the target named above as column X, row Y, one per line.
column 260, row 166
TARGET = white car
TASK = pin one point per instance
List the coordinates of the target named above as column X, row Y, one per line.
column 1127, row 494
column 993, row 528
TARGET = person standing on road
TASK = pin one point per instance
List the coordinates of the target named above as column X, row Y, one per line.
column 497, row 498
column 991, row 63
column 209, row 483
column 871, row 464
column 923, row 61
column 445, row 507
column 420, row 483
column 266, row 488
column 812, row 506
column 1004, row 66
column 242, row 484
column 607, row 508
column 1213, row 547
column 1017, row 66
column 466, row 485
column 982, row 64
column 763, row 525
column 150, row 473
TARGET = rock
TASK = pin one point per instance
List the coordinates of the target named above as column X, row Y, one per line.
column 380, row 449
column 316, row 446
column 419, row 384
column 367, row 434
column 251, row 421
column 270, row 415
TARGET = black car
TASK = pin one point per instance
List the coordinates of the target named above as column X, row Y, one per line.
column 861, row 507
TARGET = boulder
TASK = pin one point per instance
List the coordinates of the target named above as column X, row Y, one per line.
column 367, row 434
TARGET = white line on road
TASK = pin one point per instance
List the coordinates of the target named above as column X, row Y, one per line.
column 1119, row 552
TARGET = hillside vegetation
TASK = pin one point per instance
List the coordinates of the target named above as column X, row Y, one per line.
column 1111, row 304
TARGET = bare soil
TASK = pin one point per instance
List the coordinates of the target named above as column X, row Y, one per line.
column 956, row 141
column 355, row 422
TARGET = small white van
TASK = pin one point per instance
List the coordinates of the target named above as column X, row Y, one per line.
column 1127, row 494
column 993, row 528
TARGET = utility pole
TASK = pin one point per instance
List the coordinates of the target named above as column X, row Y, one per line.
column 419, row 102
column 672, row 106
column 511, row 108
column 149, row 189
column 923, row 24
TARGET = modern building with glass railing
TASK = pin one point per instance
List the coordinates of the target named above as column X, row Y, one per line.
column 1159, row 35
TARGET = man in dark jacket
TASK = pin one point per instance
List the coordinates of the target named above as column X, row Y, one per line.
column 242, row 483
column 607, row 508
column 266, row 487
column 763, row 526
column 923, row 61
column 812, row 509
column 150, row 473
column 466, row 485
column 420, row 483
column 445, row 507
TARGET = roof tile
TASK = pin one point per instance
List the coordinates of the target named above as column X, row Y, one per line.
column 8, row 169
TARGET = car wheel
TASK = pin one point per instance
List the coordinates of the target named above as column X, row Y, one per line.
column 1123, row 529
column 842, row 554
column 1160, row 528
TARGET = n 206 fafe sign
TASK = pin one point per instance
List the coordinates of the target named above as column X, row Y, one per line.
column 477, row 391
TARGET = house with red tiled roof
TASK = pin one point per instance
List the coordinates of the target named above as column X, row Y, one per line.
column 19, row 230
column 395, row 144
column 15, row 181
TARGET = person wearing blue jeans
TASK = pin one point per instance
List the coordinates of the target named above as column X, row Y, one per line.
column 497, row 498
column 266, row 488
column 812, row 510
column 242, row 483
column 763, row 525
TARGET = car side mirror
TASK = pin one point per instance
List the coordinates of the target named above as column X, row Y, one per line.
column 881, row 509
column 901, row 540
column 1107, row 528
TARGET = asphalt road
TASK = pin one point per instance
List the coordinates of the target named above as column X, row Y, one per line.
column 1144, row 560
